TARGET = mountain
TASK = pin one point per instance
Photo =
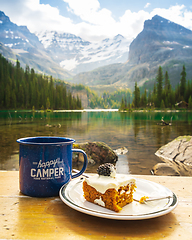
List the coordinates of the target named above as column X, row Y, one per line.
column 77, row 55
column 17, row 42
column 160, row 40
column 161, row 43
column 56, row 53
column 107, row 63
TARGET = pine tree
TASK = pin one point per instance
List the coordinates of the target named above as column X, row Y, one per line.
column 48, row 103
column 188, row 91
column 122, row 104
column 71, row 105
column 167, row 82
column 7, row 97
column 143, row 101
column 13, row 100
column 125, row 103
column 162, row 104
column 167, row 91
column 159, row 86
column 51, row 92
column 136, row 96
column 78, row 103
column 2, row 83
column 183, row 82
column 190, row 103
column 25, row 89
column 65, row 101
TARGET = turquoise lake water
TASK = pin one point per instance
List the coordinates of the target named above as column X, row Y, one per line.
column 139, row 132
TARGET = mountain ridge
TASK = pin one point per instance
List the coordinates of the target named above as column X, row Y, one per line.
column 109, row 63
column 150, row 49
column 60, row 54
column 77, row 55
column 21, row 44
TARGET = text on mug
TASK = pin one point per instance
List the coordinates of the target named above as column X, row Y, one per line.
column 50, row 172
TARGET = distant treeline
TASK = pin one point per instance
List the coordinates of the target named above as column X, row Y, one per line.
column 162, row 96
column 105, row 99
column 25, row 89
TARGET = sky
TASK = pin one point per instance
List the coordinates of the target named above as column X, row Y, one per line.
column 95, row 20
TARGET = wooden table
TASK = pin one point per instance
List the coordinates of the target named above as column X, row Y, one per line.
column 23, row 217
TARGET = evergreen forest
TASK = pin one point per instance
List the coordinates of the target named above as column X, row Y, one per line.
column 163, row 95
column 106, row 99
column 25, row 89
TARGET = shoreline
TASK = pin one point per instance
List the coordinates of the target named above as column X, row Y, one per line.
column 102, row 110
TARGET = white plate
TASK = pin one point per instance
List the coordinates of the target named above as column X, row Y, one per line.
column 72, row 195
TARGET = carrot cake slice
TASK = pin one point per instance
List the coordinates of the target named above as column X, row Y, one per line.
column 108, row 189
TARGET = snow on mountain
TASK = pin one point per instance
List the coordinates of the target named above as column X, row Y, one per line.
column 17, row 37
column 160, row 43
column 77, row 55
column 17, row 42
column 63, row 50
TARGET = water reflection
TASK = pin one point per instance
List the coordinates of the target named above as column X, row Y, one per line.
column 139, row 132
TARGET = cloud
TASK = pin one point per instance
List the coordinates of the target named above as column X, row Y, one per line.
column 99, row 23
column 35, row 16
column 178, row 14
column 95, row 23
column 89, row 11
column 131, row 23
column 147, row 5
column 83, row 8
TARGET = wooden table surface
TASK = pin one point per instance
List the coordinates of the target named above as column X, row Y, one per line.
column 23, row 217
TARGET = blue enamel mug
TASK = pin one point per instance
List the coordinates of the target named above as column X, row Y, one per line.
column 45, row 165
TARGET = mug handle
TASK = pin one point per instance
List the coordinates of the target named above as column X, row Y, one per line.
column 84, row 165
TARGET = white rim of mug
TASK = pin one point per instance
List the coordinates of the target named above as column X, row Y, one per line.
column 65, row 142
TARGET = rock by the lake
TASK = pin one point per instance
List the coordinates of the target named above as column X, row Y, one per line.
column 97, row 152
column 165, row 169
column 121, row 151
column 177, row 157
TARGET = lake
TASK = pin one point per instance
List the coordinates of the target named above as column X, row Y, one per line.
column 139, row 132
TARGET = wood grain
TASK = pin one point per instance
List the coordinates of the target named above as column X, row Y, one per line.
column 23, row 217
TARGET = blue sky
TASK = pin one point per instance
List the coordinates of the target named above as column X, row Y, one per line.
column 94, row 20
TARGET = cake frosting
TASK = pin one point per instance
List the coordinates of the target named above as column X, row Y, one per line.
column 102, row 183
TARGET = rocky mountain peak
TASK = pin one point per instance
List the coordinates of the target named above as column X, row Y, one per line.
column 78, row 55
column 17, row 42
column 17, row 37
column 159, row 23
column 3, row 17
column 160, row 40
column 161, row 43
column 156, row 23
column 53, row 39
column 6, row 23
column 118, row 37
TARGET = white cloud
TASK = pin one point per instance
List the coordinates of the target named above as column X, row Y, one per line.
column 35, row 16
column 89, row 11
column 99, row 23
column 178, row 14
column 147, row 5
column 83, row 8
column 131, row 23
column 96, row 22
